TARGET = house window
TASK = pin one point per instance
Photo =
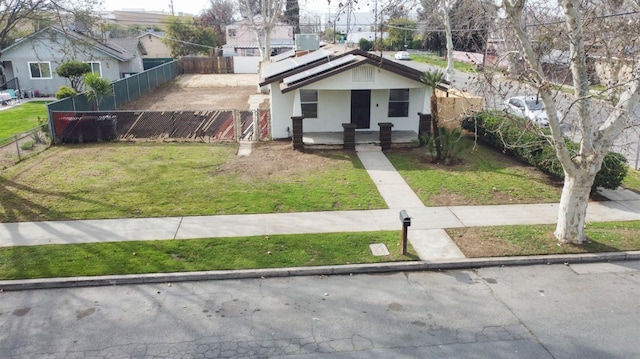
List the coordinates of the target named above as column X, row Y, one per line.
column 40, row 70
column 232, row 32
column 309, row 103
column 399, row 103
column 95, row 67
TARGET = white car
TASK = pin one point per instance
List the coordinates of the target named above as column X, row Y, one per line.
column 402, row 55
column 529, row 107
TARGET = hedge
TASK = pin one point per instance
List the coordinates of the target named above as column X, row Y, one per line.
column 517, row 137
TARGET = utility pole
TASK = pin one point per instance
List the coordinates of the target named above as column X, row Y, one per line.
column 171, row 7
column 375, row 25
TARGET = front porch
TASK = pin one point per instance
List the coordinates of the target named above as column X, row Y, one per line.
column 335, row 140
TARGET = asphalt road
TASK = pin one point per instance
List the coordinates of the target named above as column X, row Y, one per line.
column 495, row 93
column 553, row 311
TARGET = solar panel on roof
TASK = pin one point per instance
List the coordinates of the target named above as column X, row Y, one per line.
column 283, row 56
column 318, row 69
column 292, row 63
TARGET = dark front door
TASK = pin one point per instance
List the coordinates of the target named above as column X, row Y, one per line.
column 361, row 108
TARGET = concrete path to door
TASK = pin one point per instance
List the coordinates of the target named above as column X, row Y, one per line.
column 429, row 244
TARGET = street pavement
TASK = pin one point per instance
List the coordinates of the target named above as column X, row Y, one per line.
column 547, row 311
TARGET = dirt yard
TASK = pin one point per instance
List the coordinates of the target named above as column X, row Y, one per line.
column 203, row 92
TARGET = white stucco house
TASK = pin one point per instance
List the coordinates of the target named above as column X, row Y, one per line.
column 329, row 89
column 33, row 60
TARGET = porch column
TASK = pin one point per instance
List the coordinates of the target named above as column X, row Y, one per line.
column 296, row 119
column 385, row 135
column 424, row 128
column 349, row 136
column 297, row 132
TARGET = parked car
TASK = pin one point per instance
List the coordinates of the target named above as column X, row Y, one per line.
column 402, row 55
column 529, row 107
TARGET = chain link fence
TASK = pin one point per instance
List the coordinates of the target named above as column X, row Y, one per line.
column 123, row 91
column 24, row 145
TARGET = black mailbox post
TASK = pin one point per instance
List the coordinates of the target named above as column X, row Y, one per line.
column 406, row 222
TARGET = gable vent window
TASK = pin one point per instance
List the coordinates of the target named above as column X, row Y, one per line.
column 364, row 74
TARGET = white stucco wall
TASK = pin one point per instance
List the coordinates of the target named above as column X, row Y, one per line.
column 334, row 103
column 246, row 64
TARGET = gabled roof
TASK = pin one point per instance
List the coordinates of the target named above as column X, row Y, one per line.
column 332, row 65
column 108, row 48
column 158, row 34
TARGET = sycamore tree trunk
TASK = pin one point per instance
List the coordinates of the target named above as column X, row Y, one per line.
column 572, row 211
column 446, row 20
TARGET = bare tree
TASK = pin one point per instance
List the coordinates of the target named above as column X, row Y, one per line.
column 442, row 9
column 218, row 16
column 262, row 25
column 581, row 19
column 292, row 15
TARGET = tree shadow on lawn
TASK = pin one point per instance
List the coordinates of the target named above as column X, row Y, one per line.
column 14, row 207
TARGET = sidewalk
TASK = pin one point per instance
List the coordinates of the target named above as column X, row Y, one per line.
column 425, row 233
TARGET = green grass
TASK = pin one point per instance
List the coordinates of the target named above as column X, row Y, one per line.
column 539, row 239
column 632, row 180
column 442, row 62
column 21, row 118
column 484, row 177
column 196, row 255
column 119, row 180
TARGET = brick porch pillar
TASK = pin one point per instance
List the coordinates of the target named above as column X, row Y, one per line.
column 349, row 136
column 385, row 135
column 296, row 126
column 424, row 128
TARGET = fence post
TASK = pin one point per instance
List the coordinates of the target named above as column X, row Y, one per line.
column 115, row 99
column 17, row 147
column 256, row 125
column 237, row 124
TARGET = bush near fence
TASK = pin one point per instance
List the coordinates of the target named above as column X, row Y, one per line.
column 515, row 137
column 24, row 145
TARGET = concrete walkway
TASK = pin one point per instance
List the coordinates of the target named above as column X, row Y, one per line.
column 426, row 233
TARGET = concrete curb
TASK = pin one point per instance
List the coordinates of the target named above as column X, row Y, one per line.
column 465, row 263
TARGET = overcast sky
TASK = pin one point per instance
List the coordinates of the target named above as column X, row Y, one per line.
column 195, row 6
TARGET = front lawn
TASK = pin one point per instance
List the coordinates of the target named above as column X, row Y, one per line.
column 120, row 180
column 484, row 177
column 21, row 118
column 632, row 180
column 442, row 63
column 276, row 251
column 477, row 242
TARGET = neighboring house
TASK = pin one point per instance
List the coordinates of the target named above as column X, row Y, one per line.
column 153, row 46
column 241, row 39
column 154, row 51
column 355, row 87
column 34, row 59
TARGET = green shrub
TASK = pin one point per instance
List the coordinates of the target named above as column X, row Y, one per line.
column 64, row 92
column 365, row 45
column 516, row 137
column 27, row 145
column 451, row 142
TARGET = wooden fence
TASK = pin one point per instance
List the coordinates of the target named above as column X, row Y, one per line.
column 206, row 65
column 453, row 105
